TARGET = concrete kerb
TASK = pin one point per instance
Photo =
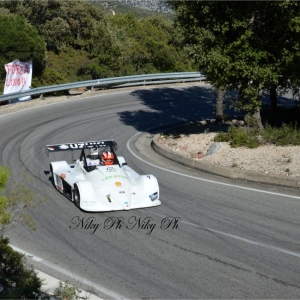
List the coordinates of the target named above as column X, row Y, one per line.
column 223, row 171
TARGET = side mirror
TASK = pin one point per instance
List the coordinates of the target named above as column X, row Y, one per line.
column 122, row 161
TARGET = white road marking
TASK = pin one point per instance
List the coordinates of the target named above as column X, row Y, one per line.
column 202, row 179
column 263, row 245
column 94, row 285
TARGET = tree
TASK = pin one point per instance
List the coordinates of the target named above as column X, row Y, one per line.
column 56, row 31
column 20, row 40
column 241, row 45
column 14, row 199
column 16, row 280
column 108, row 45
column 70, row 21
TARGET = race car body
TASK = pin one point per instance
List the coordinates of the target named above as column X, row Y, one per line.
column 97, row 185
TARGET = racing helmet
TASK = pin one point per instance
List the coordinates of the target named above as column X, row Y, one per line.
column 107, row 158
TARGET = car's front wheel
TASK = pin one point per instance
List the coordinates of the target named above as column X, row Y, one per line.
column 76, row 196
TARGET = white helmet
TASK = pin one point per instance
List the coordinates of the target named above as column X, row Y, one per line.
column 94, row 153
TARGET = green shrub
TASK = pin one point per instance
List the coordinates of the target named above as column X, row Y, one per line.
column 16, row 280
column 287, row 134
column 283, row 136
column 65, row 291
column 238, row 137
column 222, row 137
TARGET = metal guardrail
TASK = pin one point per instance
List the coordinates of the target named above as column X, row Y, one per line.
column 124, row 81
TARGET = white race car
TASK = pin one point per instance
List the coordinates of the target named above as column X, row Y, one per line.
column 100, row 180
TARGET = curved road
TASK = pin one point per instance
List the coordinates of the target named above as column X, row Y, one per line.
column 231, row 240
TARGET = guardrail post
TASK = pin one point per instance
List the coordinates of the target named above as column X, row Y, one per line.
column 42, row 97
column 92, row 89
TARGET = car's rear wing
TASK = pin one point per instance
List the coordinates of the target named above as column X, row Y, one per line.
column 82, row 145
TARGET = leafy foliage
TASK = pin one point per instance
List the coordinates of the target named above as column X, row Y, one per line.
column 20, row 40
column 65, row 291
column 14, row 199
column 16, row 280
column 83, row 42
column 241, row 45
column 288, row 134
column 238, row 137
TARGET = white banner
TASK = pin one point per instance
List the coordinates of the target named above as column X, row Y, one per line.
column 18, row 77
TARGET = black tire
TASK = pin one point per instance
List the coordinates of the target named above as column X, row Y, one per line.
column 76, row 196
column 52, row 175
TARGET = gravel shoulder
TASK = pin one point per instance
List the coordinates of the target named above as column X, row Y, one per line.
column 194, row 140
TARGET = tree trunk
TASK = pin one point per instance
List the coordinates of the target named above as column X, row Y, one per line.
column 257, row 119
column 273, row 98
column 219, row 105
column 253, row 120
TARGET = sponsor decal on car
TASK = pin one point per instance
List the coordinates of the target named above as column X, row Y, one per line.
column 114, row 177
column 118, row 184
column 51, row 148
column 153, row 196
column 63, row 176
column 111, row 169
column 87, row 145
column 63, row 147
column 89, row 202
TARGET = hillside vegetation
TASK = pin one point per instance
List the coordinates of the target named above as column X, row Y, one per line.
column 77, row 40
column 138, row 11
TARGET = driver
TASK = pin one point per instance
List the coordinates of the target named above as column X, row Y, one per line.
column 92, row 159
column 107, row 158
column 93, row 153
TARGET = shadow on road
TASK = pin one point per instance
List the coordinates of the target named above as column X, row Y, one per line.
column 166, row 105
column 169, row 105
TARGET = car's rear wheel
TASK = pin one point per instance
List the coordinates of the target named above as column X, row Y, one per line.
column 51, row 174
column 76, row 196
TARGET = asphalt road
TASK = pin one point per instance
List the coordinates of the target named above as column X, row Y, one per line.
column 227, row 239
